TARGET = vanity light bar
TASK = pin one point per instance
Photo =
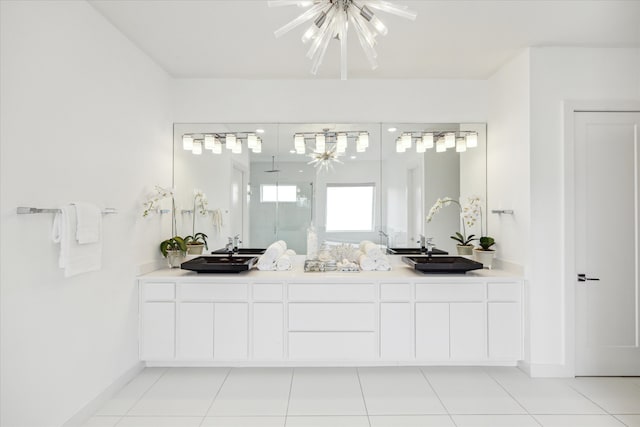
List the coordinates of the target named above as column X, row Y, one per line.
column 460, row 140
column 318, row 141
column 198, row 142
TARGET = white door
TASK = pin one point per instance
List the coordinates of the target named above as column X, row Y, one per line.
column 606, row 229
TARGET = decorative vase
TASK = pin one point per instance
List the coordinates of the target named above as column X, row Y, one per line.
column 484, row 257
column 195, row 248
column 175, row 258
column 465, row 249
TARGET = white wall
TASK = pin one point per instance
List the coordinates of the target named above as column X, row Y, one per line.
column 559, row 74
column 85, row 116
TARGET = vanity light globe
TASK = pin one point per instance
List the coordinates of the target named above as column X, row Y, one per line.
column 217, row 146
column 237, row 148
column 472, row 140
column 400, row 147
column 320, row 143
column 341, row 143
column 427, row 140
column 363, row 139
column 208, row 142
column 187, row 142
column 197, row 148
column 461, row 145
column 450, row 140
column 420, row 146
column 230, row 141
column 252, row 140
column 298, row 142
column 406, row 139
column 441, row 146
column 258, row 146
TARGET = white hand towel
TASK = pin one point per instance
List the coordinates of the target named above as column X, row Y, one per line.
column 366, row 263
column 382, row 265
column 74, row 258
column 89, row 223
column 266, row 264
column 267, row 261
column 371, row 249
column 285, row 262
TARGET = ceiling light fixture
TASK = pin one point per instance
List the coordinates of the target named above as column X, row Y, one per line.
column 331, row 19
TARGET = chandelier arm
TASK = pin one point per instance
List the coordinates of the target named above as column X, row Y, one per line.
column 306, row 16
column 393, row 9
column 324, row 29
column 369, row 51
column 343, row 44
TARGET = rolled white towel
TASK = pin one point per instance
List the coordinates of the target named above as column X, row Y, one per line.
column 266, row 264
column 285, row 262
column 371, row 249
column 366, row 263
column 274, row 251
column 382, row 264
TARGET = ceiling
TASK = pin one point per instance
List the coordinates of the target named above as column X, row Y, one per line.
column 449, row 39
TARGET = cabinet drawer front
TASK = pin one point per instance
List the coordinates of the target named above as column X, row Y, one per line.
column 450, row 292
column 267, row 292
column 504, row 291
column 331, row 345
column 390, row 291
column 158, row 291
column 332, row 292
column 218, row 291
column 331, row 317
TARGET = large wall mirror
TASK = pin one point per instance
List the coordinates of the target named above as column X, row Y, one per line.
column 352, row 181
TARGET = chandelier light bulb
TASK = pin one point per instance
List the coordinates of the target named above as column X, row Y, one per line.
column 461, row 145
column 441, row 146
column 427, row 140
column 450, row 140
column 187, row 142
column 472, row 140
column 197, row 148
column 320, row 143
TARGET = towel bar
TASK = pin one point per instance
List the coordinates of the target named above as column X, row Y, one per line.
column 21, row 210
column 502, row 211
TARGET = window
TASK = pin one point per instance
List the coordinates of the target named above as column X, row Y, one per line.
column 278, row 193
column 350, row 207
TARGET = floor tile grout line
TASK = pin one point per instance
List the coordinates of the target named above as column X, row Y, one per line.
column 618, row 419
column 589, row 399
column 164, row 371
column 437, row 395
column 204, row 417
column 364, row 400
column 286, row 413
column 488, row 373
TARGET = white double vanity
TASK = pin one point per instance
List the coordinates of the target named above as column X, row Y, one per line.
column 293, row 318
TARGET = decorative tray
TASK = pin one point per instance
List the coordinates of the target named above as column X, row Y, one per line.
column 442, row 264
column 220, row 264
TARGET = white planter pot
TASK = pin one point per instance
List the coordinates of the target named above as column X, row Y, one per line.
column 484, row 257
column 464, row 249
column 175, row 258
column 195, row 249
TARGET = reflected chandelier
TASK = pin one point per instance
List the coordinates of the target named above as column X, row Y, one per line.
column 331, row 19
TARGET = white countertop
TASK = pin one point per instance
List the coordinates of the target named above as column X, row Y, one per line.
column 399, row 271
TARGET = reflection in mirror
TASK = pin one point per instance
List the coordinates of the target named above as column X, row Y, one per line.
column 349, row 180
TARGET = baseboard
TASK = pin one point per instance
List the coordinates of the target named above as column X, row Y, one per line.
column 545, row 371
column 81, row 417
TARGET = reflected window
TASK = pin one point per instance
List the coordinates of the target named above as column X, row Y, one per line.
column 271, row 193
column 350, row 207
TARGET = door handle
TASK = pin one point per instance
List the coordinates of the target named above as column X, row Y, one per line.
column 584, row 278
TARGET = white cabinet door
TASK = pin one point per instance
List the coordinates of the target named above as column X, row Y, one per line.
column 268, row 327
column 467, row 331
column 432, row 331
column 195, row 331
column 158, row 331
column 395, row 331
column 231, row 329
column 505, row 331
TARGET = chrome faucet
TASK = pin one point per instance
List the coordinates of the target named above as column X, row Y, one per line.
column 422, row 243
column 430, row 246
column 229, row 246
column 386, row 238
column 236, row 242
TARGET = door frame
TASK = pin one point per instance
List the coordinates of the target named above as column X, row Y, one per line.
column 571, row 107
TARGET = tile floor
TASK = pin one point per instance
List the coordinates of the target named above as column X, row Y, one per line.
column 368, row 397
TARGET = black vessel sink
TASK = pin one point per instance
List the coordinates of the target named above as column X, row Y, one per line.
column 414, row 251
column 442, row 264
column 241, row 251
column 219, row 264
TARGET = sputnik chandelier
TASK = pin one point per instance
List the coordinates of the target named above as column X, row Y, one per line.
column 327, row 147
column 331, row 19
column 214, row 141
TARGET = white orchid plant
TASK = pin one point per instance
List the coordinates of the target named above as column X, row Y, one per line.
column 470, row 212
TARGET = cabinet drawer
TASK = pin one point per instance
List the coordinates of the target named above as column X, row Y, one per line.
column 331, row 317
column 218, row 291
column 332, row 292
column 331, row 345
column 504, row 291
column 390, row 291
column 267, row 291
column 158, row 291
column 450, row 292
